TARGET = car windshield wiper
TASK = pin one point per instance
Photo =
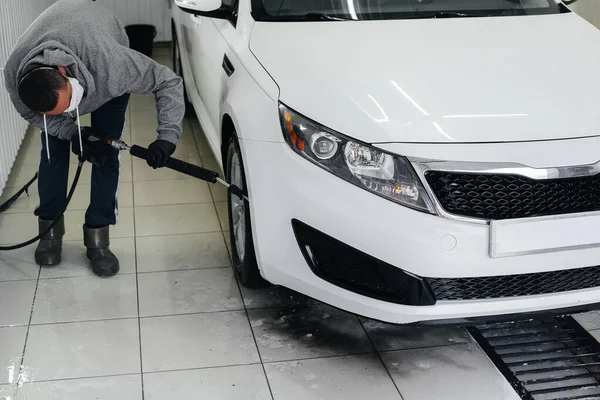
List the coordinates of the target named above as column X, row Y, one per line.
column 323, row 17
column 443, row 14
column 451, row 14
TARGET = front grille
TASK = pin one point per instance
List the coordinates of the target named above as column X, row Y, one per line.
column 515, row 285
column 497, row 196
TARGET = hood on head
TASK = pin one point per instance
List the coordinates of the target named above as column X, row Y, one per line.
column 54, row 54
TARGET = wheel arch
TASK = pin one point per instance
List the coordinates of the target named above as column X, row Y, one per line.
column 228, row 131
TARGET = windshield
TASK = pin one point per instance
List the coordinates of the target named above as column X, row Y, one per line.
column 300, row 10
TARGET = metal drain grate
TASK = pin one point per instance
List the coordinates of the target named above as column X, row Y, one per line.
column 551, row 358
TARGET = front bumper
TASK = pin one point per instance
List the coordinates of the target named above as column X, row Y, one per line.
column 285, row 187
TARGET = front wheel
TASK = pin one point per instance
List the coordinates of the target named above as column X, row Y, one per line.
column 240, row 228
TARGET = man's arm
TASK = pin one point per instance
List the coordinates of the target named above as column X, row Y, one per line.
column 136, row 73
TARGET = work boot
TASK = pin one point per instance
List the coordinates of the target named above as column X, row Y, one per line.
column 49, row 250
column 104, row 263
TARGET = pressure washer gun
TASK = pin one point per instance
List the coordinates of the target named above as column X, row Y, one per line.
column 180, row 166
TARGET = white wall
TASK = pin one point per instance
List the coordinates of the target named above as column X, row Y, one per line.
column 588, row 9
column 15, row 17
column 150, row 12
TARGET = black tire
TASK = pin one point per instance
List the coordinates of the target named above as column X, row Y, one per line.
column 189, row 108
column 245, row 267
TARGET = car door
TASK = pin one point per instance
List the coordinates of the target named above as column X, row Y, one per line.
column 211, row 67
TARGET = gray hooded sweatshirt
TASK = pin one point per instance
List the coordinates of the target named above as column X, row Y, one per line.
column 91, row 43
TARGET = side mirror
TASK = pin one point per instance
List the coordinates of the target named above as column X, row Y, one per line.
column 206, row 8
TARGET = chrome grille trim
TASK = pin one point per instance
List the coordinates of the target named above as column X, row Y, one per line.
column 422, row 165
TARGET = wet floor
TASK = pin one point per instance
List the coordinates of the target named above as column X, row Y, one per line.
column 175, row 324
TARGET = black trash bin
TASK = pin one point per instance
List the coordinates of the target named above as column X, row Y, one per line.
column 141, row 38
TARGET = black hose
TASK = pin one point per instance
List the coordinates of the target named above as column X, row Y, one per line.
column 42, row 234
column 25, row 189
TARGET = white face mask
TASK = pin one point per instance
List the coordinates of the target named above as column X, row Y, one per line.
column 77, row 92
column 76, row 95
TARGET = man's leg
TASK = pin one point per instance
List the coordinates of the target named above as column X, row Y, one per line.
column 107, row 121
column 53, row 175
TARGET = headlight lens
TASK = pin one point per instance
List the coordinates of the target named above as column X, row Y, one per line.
column 387, row 175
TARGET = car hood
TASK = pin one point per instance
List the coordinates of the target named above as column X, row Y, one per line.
column 460, row 80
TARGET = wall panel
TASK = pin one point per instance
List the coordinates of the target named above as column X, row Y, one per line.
column 15, row 17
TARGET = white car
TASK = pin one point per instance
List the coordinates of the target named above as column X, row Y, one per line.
column 407, row 161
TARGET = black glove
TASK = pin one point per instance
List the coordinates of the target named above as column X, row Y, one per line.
column 159, row 152
column 93, row 148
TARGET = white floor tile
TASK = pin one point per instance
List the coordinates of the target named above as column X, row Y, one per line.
column 16, row 299
column 75, row 262
column 589, row 320
column 19, row 176
column 29, row 154
column 12, row 343
column 203, row 145
column 145, row 119
column 128, row 387
column 163, row 50
column 596, row 334
column 144, row 132
column 450, row 372
column 307, row 332
column 336, row 378
column 85, row 299
column 17, row 228
column 74, row 221
column 197, row 128
column 84, row 349
column 7, row 392
column 144, row 129
column 25, row 204
column 177, row 219
column 387, row 337
column 219, row 193
column 185, row 292
column 223, row 215
column 175, row 252
column 142, row 102
column 246, row 382
column 196, row 341
column 164, row 60
column 180, row 191
column 19, row 264
column 80, row 201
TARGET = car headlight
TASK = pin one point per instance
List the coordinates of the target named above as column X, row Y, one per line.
column 385, row 174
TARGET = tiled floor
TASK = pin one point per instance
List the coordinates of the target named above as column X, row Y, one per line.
column 175, row 324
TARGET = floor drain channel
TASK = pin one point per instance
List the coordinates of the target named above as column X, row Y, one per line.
column 551, row 358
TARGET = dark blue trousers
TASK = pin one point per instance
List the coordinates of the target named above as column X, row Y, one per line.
column 53, row 175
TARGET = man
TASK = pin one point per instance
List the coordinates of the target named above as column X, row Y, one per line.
column 73, row 60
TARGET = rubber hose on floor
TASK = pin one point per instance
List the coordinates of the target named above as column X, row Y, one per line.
column 25, row 189
column 41, row 235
